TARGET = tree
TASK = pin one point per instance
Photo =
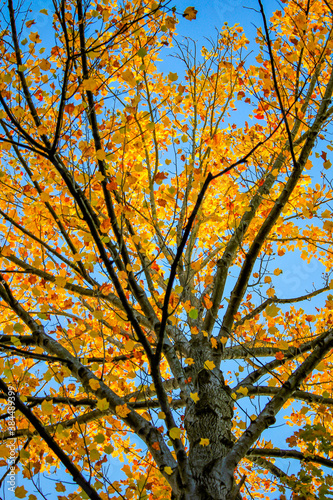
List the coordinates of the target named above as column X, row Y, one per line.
column 146, row 227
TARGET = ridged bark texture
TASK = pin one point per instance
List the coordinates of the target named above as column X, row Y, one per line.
column 210, row 417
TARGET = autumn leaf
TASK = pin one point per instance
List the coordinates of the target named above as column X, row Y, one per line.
column 90, row 84
column 142, row 52
column 194, row 396
column 243, row 390
column 283, row 344
column 190, row 13
column 204, row 441
column 172, row 77
column 60, row 487
column 45, row 65
column 272, row 310
column 209, row 365
column 189, row 361
column 103, row 404
column 20, row 492
column 100, row 154
column 122, row 410
column 168, row 470
column 175, row 433
column 94, row 384
column 270, row 292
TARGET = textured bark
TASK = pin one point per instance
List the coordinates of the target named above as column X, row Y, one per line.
column 208, row 418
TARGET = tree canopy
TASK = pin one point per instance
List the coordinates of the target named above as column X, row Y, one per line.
column 148, row 220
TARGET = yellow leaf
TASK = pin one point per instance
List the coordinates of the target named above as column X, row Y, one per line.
column 267, row 279
column 204, row 441
column 272, row 310
column 213, row 342
column 242, row 425
column 282, row 344
column 128, row 77
column 194, row 396
column 175, row 433
column 328, row 225
column 89, row 84
column 277, row 271
column 168, row 470
column 129, row 345
column 45, row 65
column 117, row 138
column 326, row 214
column 224, row 340
column 189, row 361
column 47, row 407
column 20, row 492
column 172, row 77
column 161, row 415
column 98, row 314
column 60, row 281
column 122, row 410
column 103, row 404
column 209, row 365
column 94, row 384
column 100, row 154
column 243, row 390
column 34, row 37
column 272, row 382
column 270, row 292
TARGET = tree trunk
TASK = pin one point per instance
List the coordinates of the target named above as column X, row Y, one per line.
column 210, row 418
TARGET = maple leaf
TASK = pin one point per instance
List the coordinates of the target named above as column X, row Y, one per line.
column 20, row 492
column 122, row 410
